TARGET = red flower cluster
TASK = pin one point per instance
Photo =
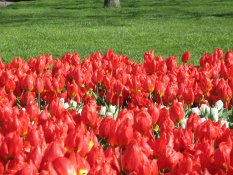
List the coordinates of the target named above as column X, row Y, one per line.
column 40, row 135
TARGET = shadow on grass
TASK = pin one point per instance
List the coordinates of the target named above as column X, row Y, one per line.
column 86, row 15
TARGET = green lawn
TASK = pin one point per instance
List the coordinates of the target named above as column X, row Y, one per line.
column 169, row 27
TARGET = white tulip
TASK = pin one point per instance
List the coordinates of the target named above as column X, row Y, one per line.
column 73, row 103
column 109, row 114
column 203, row 119
column 219, row 104
column 112, row 109
column 214, row 114
column 102, row 110
column 80, row 110
column 204, row 109
column 184, row 123
column 225, row 122
column 62, row 101
column 66, row 105
column 196, row 110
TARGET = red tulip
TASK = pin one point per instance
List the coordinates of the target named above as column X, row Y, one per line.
column 131, row 157
column 186, row 57
column 229, row 58
column 52, row 152
column 64, row 166
column 160, row 88
column 193, row 121
column 89, row 114
column 205, row 83
column 28, row 168
column 28, row 83
column 149, row 62
column 98, row 77
column 36, row 155
column 170, row 93
column 96, row 157
column 224, row 91
column 40, row 64
column 33, row 110
column 208, row 130
column 142, row 121
column 124, row 138
column 149, row 84
column 35, row 137
column 39, row 85
column 56, row 108
column 154, row 113
column 168, row 158
column 177, row 112
column 28, row 98
column 171, row 63
column 10, row 85
column 82, row 164
column 222, row 155
column 106, row 126
column 72, row 90
column 43, row 116
column 188, row 96
column 8, row 148
column 218, row 53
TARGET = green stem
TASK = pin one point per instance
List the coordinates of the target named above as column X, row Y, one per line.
column 161, row 100
column 39, row 101
column 121, row 164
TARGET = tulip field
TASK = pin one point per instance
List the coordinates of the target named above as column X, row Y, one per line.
column 109, row 115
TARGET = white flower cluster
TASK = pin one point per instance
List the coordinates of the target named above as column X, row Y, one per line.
column 72, row 105
column 110, row 111
column 205, row 112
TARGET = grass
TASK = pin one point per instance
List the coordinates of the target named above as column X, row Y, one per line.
column 169, row 27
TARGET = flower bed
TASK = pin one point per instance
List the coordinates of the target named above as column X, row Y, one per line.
column 110, row 115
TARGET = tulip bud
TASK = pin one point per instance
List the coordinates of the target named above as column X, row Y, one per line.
column 186, row 57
